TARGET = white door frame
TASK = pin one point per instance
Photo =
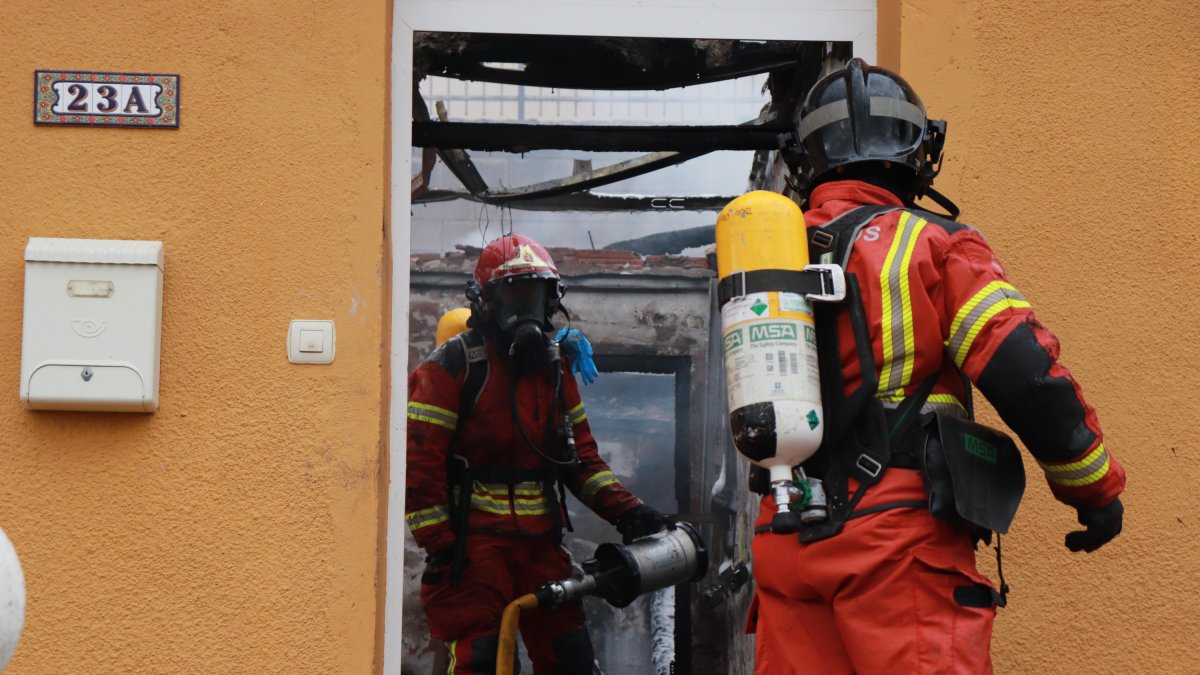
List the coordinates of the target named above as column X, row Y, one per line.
column 815, row 20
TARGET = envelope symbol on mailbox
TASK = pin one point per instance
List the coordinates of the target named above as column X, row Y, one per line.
column 88, row 328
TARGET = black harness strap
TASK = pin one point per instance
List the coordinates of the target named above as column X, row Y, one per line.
column 458, row 473
column 477, row 373
column 818, row 282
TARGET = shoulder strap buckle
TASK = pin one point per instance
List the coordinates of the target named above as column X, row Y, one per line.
column 833, row 283
column 868, row 465
column 822, row 239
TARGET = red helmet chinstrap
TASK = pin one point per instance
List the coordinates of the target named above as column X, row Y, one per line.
column 513, row 256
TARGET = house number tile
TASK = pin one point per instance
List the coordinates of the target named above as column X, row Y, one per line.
column 105, row 99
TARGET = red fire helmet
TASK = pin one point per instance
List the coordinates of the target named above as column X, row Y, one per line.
column 513, row 256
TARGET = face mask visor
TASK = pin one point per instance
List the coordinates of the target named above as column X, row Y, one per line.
column 520, row 301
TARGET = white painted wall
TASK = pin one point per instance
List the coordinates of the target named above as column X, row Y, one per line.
column 817, row 20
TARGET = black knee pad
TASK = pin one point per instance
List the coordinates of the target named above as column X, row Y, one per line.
column 573, row 653
column 483, row 656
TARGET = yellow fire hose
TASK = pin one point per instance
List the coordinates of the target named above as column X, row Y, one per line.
column 506, row 652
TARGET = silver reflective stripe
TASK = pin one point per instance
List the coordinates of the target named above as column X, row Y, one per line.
column 898, row 340
column 992, row 299
column 968, row 321
column 426, row 517
column 1086, row 471
column 882, row 106
column 423, row 412
column 577, row 414
column 592, row 485
column 826, row 114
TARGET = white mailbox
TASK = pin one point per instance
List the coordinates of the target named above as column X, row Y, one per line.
column 93, row 316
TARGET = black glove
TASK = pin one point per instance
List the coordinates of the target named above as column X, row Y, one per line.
column 1102, row 523
column 641, row 521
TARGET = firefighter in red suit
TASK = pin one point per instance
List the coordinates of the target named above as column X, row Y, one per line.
column 496, row 432
column 896, row 590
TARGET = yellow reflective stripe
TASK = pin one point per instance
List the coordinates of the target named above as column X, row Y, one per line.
column 423, row 412
column 1086, row 471
column 531, row 509
column 896, row 397
column 524, row 489
column 910, row 341
column 490, row 506
column 493, row 498
column 427, row 517
column 943, row 403
column 897, row 324
column 503, row 508
column 944, row 398
column 592, row 485
column 453, row 657
column 577, row 414
column 970, row 319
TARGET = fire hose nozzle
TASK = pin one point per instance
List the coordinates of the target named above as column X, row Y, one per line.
column 558, row 593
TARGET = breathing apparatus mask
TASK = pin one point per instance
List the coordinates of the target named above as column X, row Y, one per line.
column 513, row 292
column 521, row 308
column 515, row 312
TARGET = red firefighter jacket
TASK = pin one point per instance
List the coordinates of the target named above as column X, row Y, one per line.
column 937, row 301
column 488, row 439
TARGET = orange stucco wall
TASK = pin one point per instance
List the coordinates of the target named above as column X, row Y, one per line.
column 235, row 530
column 1072, row 146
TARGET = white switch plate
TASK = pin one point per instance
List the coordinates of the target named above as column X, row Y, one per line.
column 301, row 351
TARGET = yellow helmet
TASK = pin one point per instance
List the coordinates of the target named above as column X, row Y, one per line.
column 452, row 323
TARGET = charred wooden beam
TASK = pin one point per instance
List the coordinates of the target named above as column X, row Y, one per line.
column 588, row 201
column 458, row 161
column 518, row 138
column 608, row 79
column 589, row 179
column 607, row 63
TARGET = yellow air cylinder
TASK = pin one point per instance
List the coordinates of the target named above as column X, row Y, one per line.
column 770, row 345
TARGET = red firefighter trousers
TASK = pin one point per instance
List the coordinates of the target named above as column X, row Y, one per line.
column 879, row 597
column 501, row 569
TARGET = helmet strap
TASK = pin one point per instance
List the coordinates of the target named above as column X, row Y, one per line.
column 943, row 201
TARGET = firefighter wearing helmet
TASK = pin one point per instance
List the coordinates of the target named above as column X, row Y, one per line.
column 887, row 583
column 496, row 434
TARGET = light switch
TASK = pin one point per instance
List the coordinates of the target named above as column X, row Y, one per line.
column 311, row 342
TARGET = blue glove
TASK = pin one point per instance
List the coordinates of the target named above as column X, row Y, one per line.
column 579, row 353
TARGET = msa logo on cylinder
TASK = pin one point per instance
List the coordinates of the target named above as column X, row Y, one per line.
column 773, row 331
column 734, row 339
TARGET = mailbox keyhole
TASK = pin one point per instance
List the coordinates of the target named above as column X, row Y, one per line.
column 86, row 374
